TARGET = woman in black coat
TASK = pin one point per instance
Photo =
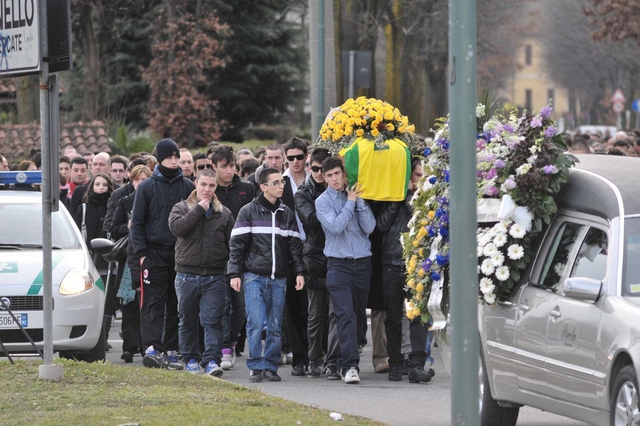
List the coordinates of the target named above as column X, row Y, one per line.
column 93, row 210
column 131, row 275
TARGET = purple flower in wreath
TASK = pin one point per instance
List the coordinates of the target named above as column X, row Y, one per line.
column 546, row 111
column 509, row 183
column 508, row 128
column 491, row 174
column 499, row 164
column 427, row 152
column 432, row 180
column 491, row 191
column 435, row 276
column 536, row 122
column 426, row 265
column 550, row 169
column 550, row 132
column 445, row 218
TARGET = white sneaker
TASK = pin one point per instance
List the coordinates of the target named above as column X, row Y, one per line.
column 225, row 362
column 233, row 357
column 351, row 376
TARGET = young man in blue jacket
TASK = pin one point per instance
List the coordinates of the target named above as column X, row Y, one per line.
column 263, row 241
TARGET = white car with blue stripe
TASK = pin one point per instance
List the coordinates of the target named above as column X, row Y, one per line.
column 78, row 290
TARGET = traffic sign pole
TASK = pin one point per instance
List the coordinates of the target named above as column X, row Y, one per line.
column 48, row 370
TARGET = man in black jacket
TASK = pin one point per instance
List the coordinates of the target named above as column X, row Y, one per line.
column 392, row 221
column 263, row 241
column 234, row 193
column 203, row 228
column 154, row 245
column 316, row 266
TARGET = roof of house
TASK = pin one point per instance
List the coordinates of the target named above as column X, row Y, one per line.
column 18, row 140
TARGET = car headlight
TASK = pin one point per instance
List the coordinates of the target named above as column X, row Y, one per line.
column 76, row 281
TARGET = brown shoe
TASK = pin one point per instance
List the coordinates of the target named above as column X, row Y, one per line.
column 383, row 367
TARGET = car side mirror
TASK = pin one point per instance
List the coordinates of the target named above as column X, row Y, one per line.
column 101, row 245
column 581, row 288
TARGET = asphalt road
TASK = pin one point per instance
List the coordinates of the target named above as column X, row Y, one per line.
column 396, row 403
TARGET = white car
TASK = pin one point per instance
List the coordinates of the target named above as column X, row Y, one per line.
column 78, row 290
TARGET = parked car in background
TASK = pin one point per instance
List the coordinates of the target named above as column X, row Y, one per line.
column 78, row 290
column 567, row 340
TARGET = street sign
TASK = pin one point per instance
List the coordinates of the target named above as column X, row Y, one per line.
column 617, row 107
column 618, row 96
column 636, row 105
column 20, row 38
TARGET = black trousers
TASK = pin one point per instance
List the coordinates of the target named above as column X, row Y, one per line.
column 296, row 318
column 418, row 333
column 131, row 327
column 393, row 280
column 318, row 323
column 158, row 302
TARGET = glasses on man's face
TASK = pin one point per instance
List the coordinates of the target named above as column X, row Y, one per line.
column 316, row 169
column 117, row 171
column 276, row 183
column 204, row 166
column 298, row 157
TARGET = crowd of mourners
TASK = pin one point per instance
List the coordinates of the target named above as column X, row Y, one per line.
column 268, row 252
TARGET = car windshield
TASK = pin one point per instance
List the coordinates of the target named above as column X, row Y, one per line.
column 631, row 277
column 21, row 226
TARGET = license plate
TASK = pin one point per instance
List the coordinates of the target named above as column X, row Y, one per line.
column 7, row 321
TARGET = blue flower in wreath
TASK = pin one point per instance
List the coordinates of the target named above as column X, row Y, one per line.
column 435, row 276
column 445, row 145
column 439, row 213
column 444, row 232
column 442, row 260
column 427, row 152
column 445, row 218
column 433, row 180
column 431, row 232
column 446, row 175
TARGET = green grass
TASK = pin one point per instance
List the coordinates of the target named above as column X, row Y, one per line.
column 105, row 394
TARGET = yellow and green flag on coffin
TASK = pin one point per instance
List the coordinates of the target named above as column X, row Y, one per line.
column 383, row 172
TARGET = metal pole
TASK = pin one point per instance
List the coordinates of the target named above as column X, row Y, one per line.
column 352, row 71
column 464, row 276
column 320, row 113
column 47, row 370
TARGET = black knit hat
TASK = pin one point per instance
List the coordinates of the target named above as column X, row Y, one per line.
column 165, row 148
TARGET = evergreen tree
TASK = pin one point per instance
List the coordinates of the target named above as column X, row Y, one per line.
column 265, row 76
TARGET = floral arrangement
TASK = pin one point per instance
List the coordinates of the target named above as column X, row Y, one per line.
column 521, row 164
column 365, row 117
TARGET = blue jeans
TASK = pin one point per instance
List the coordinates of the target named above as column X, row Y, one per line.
column 348, row 282
column 264, row 301
column 201, row 297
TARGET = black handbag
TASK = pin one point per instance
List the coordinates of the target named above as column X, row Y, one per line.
column 119, row 250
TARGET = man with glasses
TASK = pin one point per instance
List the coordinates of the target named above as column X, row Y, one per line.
column 296, row 307
column 202, row 162
column 186, row 163
column 118, row 170
column 264, row 240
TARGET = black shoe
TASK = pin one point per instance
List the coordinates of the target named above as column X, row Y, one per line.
column 314, row 371
column 127, row 357
column 332, row 373
column 299, row 370
column 108, row 347
column 431, row 372
column 395, row 374
column 255, row 376
column 153, row 359
column 271, row 376
column 418, row 375
column 405, row 368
